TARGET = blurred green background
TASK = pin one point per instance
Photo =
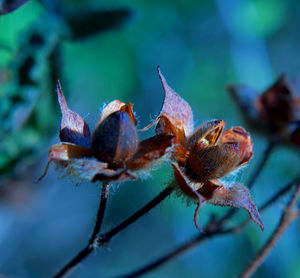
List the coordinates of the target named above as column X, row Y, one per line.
column 106, row 50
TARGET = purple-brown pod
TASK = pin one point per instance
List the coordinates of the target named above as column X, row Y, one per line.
column 115, row 138
column 213, row 162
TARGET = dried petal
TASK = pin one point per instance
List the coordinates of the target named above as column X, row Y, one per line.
column 237, row 196
column 61, row 153
column 165, row 126
column 206, row 135
column 66, row 151
column 115, row 138
column 212, row 162
column 240, row 135
column 187, row 186
column 150, row 150
column 175, row 109
column 73, row 128
column 198, row 191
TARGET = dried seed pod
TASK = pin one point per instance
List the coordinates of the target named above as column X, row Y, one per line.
column 212, row 162
column 206, row 135
column 115, row 138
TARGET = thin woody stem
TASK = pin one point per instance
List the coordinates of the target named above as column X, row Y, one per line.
column 288, row 216
column 88, row 249
column 212, row 229
column 97, row 240
column 104, row 238
column 259, row 167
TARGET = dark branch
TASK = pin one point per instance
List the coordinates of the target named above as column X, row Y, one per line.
column 259, row 167
column 104, row 238
column 287, row 218
column 91, row 244
column 213, row 228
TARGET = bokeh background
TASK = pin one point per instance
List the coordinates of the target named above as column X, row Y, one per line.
column 106, row 50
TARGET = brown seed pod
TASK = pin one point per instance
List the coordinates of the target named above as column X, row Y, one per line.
column 212, row 162
column 115, row 138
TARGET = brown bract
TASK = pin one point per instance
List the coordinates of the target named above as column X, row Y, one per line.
column 203, row 156
column 276, row 110
column 112, row 152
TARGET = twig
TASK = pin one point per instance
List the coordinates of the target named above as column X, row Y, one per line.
column 288, row 216
column 97, row 240
column 212, row 229
column 270, row 147
column 91, row 244
column 104, row 238
column 182, row 249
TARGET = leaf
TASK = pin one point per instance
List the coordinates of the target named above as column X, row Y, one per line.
column 175, row 109
column 85, row 23
column 237, row 196
column 73, row 128
column 150, row 150
column 245, row 144
column 7, row 6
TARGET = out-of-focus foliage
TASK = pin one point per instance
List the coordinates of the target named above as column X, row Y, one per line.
column 201, row 46
column 29, row 74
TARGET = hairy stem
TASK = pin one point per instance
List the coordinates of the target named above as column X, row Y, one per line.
column 91, row 244
column 104, row 238
column 212, row 229
column 288, row 216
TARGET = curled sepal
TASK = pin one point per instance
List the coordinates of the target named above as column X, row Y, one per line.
column 150, row 150
column 73, row 129
column 237, row 196
column 175, row 109
column 190, row 189
column 240, row 135
column 61, row 153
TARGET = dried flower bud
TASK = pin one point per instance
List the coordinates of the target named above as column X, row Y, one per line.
column 115, row 138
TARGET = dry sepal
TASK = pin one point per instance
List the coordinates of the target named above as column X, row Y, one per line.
column 112, row 152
